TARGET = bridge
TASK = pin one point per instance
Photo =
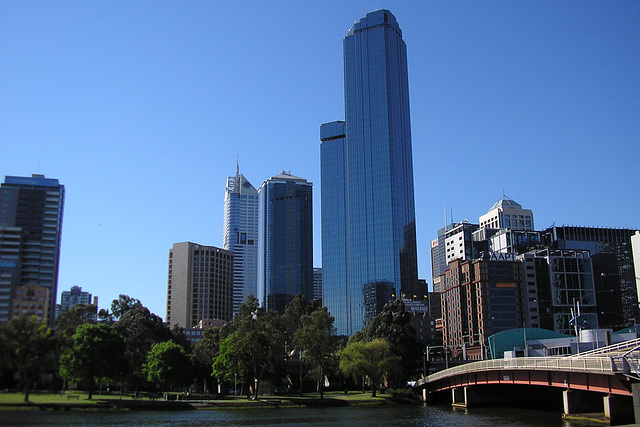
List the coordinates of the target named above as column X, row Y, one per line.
column 607, row 378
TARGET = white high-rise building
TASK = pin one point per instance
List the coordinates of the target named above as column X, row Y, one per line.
column 241, row 235
column 507, row 213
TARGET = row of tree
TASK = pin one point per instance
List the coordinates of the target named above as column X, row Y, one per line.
column 131, row 346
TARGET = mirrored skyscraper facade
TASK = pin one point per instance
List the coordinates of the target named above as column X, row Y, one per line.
column 285, row 241
column 241, row 235
column 368, row 212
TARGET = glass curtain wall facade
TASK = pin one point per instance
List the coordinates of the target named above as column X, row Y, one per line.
column 367, row 176
column 240, row 235
column 285, row 241
column 30, row 231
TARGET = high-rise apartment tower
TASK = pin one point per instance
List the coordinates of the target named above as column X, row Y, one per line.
column 241, row 235
column 368, row 212
column 30, row 230
column 199, row 285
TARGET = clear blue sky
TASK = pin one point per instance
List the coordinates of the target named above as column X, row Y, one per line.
column 139, row 109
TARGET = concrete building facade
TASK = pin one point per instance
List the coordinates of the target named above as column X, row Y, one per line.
column 199, row 285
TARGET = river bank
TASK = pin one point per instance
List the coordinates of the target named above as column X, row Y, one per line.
column 56, row 402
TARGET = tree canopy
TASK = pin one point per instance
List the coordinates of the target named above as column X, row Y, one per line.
column 27, row 350
column 251, row 346
column 373, row 359
column 140, row 329
column 316, row 338
column 97, row 352
column 167, row 365
column 393, row 324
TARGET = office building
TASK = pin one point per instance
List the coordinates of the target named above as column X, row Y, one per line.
column 613, row 270
column 439, row 257
column 241, row 235
column 368, row 213
column 507, row 213
column 458, row 242
column 199, row 285
column 285, row 241
column 635, row 249
column 74, row 296
column 30, row 230
column 480, row 298
column 556, row 282
column 317, row 284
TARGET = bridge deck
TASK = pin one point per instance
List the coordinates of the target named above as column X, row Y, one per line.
column 620, row 361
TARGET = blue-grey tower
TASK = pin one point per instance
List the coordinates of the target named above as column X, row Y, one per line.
column 285, row 241
column 368, row 213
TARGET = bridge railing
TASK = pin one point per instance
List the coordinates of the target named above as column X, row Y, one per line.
column 584, row 364
column 625, row 345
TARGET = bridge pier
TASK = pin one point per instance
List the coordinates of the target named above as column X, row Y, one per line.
column 577, row 401
column 459, row 396
column 635, row 389
column 465, row 396
column 618, row 408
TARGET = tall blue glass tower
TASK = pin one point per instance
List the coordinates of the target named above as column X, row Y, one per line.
column 368, row 214
column 285, row 241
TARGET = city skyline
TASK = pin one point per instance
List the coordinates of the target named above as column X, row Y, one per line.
column 139, row 114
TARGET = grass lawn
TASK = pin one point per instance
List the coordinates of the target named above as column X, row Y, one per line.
column 82, row 397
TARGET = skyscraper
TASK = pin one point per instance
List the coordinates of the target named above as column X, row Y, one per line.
column 368, row 213
column 30, row 230
column 73, row 297
column 241, row 235
column 285, row 242
column 199, row 285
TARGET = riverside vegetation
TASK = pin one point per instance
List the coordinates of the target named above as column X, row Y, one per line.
column 128, row 352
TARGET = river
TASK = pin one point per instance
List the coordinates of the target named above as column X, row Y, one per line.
column 392, row 415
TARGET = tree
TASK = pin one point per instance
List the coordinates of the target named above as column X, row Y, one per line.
column 167, row 363
column 123, row 304
column 293, row 313
column 203, row 354
column 316, row 338
column 140, row 329
column 393, row 324
column 68, row 321
column 27, row 346
column 252, row 346
column 371, row 358
column 97, row 352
